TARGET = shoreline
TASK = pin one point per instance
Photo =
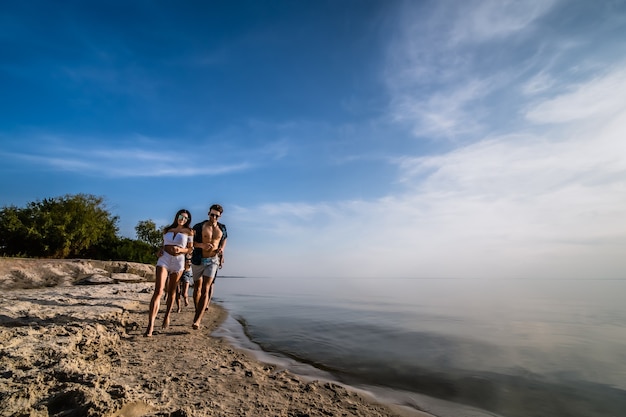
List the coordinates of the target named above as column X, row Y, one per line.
column 80, row 350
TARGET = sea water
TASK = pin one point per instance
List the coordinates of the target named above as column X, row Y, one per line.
column 472, row 347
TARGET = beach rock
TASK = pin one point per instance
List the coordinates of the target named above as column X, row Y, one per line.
column 27, row 273
column 142, row 270
column 127, row 277
column 96, row 279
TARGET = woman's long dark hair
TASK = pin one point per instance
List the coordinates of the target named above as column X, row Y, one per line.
column 174, row 224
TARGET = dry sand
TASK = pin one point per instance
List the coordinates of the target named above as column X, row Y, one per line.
column 78, row 350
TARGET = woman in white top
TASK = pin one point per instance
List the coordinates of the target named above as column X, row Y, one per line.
column 177, row 241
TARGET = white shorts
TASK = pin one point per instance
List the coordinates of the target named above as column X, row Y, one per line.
column 172, row 263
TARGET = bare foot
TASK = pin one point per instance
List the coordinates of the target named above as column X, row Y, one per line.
column 166, row 323
column 186, row 302
column 147, row 333
column 195, row 326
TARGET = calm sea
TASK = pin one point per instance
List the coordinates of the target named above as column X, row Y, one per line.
column 453, row 347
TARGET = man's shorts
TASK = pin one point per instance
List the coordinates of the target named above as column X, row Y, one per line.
column 208, row 268
column 187, row 277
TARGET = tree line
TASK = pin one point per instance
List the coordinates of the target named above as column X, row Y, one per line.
column 73, row 226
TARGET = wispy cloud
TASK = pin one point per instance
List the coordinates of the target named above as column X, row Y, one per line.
column 447, row 62
column 118, row 160
column 538, row 84
column 498, row 208
column 600, row 98
column 527, row 203
column 139, row 164
column 219, row 153
column 441, row 114
column 485, row 20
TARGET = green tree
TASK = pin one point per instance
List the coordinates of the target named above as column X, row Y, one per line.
column 73, row 226
column 61, row 227
column 133, row 251
column 14, row 234
column 147, row 232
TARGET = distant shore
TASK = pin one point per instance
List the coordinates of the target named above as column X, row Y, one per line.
column 70, row 349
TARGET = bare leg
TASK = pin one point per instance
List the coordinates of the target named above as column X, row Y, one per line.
column 197, row 288
column 178, row 295
column 210, row 294
column 203, row 301
column 159, row 285
column 171, row 293
column 185, row 292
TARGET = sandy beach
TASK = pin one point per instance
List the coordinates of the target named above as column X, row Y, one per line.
column 71, row 344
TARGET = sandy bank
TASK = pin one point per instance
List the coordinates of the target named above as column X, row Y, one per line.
column 78, row 351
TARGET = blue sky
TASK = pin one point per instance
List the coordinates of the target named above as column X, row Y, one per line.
column 343, row 138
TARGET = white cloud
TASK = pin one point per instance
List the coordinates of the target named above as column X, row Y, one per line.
column 531, row 219
column 600, row 98
column 519, row 205
column 536, row 201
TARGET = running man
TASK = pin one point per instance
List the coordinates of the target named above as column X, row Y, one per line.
column 209, row 241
